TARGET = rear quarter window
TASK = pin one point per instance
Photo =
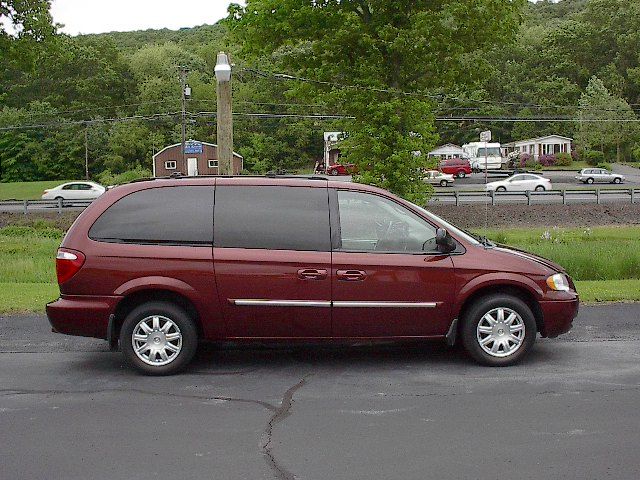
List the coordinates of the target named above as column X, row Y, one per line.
column 164, row 216
column 272, row 217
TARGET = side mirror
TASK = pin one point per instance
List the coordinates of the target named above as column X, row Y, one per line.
column 444, row 241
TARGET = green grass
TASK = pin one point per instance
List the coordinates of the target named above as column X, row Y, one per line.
column 599, row 253
column 27, row 254
column 609, row 291
column 574, row 166
column 605, row 261
column 26, row 297
column 26, row 190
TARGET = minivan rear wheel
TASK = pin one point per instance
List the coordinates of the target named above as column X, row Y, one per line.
column 498, row 330
column 158, row 338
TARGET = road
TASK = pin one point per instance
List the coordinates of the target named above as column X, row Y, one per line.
column 70, row 409
column 474, row 182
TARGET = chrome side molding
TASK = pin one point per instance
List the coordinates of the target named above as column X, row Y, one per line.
column 370, row 304
column 254, row 302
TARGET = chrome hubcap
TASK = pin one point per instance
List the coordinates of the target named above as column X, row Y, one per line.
column 500, row 332
column 156, row 340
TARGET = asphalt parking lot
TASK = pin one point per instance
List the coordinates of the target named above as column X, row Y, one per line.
column 69, row 409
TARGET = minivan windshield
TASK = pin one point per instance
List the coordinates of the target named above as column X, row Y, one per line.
column 450, row 228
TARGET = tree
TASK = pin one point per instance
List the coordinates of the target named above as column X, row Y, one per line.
column 25, row 28
column 383, row 62
column 605, row 120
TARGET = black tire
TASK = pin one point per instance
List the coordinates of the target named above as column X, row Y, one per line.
column 617, row 180
column 475, row 314
column 590, row 181
column 443, row 183
column 501, row 189
column 334, row 172
column 172, row 312
column 540, row 188
column 461, row 174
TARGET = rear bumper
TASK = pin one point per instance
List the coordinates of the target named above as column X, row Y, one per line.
column 81, row 315
column 558, row 316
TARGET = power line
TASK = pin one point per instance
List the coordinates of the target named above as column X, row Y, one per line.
column 442, row 97
column 157, row 116
column 539, row 119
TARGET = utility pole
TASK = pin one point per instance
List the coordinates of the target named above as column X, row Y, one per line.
column 86, row 151
column 186, row 92
column 224, row 120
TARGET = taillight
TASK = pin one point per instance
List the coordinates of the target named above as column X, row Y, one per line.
column 68, row 262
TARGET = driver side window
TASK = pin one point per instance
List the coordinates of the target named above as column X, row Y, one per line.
column 369, row 223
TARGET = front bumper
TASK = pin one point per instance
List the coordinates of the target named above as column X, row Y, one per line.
column 558, row 316
column 82, row 315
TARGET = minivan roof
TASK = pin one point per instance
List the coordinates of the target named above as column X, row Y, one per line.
column 248, row 180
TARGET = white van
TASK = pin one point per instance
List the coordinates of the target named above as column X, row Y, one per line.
column 483, row 155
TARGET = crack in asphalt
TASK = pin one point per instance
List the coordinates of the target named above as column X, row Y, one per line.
column 282, row 412
column 279, row 412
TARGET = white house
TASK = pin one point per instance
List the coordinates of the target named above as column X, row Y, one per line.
column 537, row 147
column 331, row 150
column 448, row 150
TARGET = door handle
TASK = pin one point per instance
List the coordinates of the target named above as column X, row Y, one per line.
column 351, row 275
column 312, row 274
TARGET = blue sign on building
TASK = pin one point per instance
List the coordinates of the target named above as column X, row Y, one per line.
column 193, row 147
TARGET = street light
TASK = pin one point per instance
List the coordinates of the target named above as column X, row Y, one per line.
column 223, row 69
column 224, row 120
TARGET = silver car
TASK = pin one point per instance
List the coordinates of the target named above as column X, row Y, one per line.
column 598, row 175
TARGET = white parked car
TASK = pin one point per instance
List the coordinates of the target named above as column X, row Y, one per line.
column 521, row 182
column 74, row 191
column 436, row 177
column 598, row 175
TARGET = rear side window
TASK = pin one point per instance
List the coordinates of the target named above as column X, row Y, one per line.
column 166, row 215
column 274, row 218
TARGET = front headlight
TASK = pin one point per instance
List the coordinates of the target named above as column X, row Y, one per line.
column 558, row 282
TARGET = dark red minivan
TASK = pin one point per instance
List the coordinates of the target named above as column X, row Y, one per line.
column 160, row 265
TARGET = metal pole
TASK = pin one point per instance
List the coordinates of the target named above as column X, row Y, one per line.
column 224, row 119
column 183, row 84
column 86, row 151
column 486, row 161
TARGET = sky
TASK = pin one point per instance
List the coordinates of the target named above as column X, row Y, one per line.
column 97, row 16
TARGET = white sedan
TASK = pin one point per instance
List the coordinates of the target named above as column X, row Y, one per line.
column 74, row 191
column 522, row 182
column 436, row 177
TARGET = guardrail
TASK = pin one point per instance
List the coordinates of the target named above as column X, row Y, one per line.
column 59, row 205
column 565, row 196
column 456, row 197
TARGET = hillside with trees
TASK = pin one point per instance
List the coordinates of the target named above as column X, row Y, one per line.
column 404, row 75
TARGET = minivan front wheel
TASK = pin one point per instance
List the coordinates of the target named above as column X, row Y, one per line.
column 158, row 338
column 498, row 330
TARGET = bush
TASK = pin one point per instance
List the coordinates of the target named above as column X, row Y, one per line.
column 593, row 157
column 564, row 160
column 604, row 165
column 575, row 156
column 525, row 158
column 107, row 178
column 635, row 152
column 547, row 160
